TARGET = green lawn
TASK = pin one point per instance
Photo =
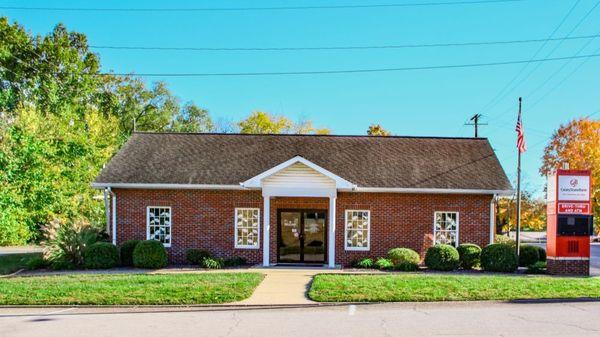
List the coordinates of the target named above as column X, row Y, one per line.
column 423, row 288
column 13, row 262
column 130, row 289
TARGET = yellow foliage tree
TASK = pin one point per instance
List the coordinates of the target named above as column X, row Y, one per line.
column 577, row 144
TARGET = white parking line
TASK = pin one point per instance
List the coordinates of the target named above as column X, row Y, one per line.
column 351, row 310
column 58, row 311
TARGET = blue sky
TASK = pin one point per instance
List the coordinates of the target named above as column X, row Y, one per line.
column 422, row 103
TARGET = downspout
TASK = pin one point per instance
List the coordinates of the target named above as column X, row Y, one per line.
column 107, row 209
column 492, row 219
column 114, row 215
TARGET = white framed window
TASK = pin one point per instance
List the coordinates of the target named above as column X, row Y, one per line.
column 445, row 228
column 357, row 230
column 158, row 224
column 247, row 228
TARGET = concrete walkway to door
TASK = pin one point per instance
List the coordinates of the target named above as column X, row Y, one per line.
column 287, row 285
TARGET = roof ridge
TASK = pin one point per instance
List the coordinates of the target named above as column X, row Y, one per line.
column 301, row 135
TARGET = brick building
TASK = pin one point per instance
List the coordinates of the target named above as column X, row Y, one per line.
column 315, row 199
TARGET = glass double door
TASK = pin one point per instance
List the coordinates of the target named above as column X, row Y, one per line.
column 301, row 236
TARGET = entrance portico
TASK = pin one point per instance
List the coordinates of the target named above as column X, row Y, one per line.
column 298, row 178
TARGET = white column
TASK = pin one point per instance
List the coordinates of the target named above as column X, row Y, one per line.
column 266, row 229
column 331, row 233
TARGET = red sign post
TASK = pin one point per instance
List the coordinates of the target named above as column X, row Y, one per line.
column 569, row 222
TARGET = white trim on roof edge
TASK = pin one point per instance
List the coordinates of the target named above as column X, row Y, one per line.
column 340, row 183
column 357, row 189
column 432, row 190
column 168, row 186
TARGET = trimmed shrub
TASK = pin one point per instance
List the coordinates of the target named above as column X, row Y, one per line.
column 235, row 261
column 537, row 268
column 365, row 263
column 442, row 257
column 36, row 262
column 499, row 257
column 127, row 252
column 469, row 255
column 212, row 263
column 150, row 254
column 528, row 255
column 542, row 253
column 195, row 256
column 384, row 264
column 404, row 259
column 101, row 255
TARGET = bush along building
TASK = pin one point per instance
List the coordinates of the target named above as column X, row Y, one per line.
column 301, row 199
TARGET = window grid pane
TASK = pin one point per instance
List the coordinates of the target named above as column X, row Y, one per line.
column 247, row 227
column 357, row 229
column 446, row 228
column 159, row 224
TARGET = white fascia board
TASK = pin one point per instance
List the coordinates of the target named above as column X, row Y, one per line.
column 341, row 183
column 431, row 190
column 167, row 186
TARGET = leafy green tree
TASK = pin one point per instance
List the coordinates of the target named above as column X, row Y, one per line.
column 191, row 118
column 61, row 119
column 49, row 161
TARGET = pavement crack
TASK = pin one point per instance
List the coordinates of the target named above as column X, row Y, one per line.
column 237, row 321
column 416, row 309
column 566, row 324
column 383, row 325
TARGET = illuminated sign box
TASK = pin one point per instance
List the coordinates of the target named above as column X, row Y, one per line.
column 574, row 188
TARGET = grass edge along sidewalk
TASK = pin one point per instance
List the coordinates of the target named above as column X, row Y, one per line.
column 10, row 263
column 129, row 289
column 429, row 288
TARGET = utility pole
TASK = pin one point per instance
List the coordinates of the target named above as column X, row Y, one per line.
column 476, row 123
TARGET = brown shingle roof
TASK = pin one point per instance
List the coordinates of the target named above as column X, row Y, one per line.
column 228, row 159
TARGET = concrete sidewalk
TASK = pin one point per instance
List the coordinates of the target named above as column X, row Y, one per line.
column 20, row 250
column 283, row 286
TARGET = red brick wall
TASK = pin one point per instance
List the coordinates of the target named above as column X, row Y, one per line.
column 204, row 219
column 200, row 219
column 406, row 220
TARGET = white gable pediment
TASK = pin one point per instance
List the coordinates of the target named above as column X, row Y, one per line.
column 298, row 173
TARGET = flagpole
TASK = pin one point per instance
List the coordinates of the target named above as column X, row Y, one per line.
column 517, row 237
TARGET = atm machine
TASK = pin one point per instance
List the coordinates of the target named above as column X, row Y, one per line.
column 570, row 222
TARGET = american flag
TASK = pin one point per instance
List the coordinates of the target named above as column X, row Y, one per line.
column 520, row 135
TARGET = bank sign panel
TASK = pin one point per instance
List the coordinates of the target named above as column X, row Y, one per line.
column 574, row 188
column 571, row 190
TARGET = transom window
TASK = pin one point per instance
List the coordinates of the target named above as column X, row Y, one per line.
column 445, row 228
column 247, row 227
column 358, row 223
column 159, row 224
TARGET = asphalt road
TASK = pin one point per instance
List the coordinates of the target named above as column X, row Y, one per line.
column 408, row 319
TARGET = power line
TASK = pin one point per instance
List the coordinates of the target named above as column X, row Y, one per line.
column 502, row 91
column 343, row 71
column 219, row 9
column 389, row 46
column 555, row 48
column 350, row 71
